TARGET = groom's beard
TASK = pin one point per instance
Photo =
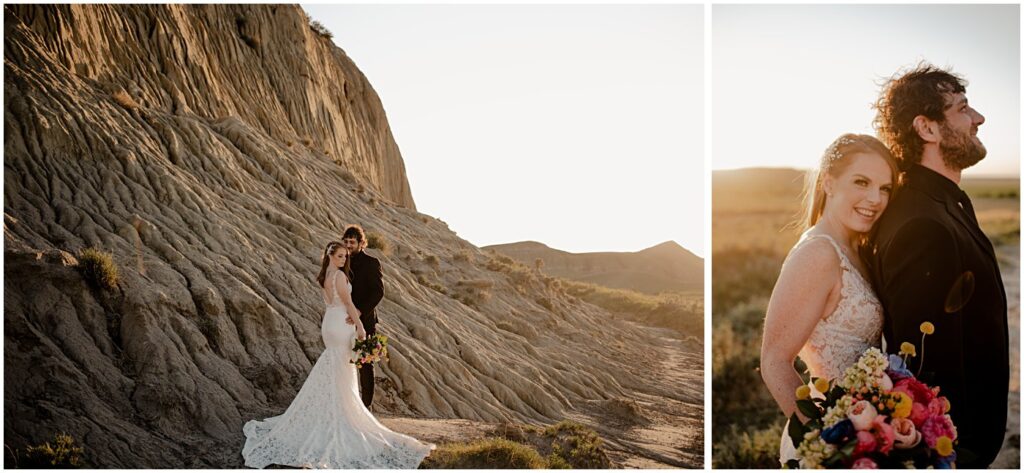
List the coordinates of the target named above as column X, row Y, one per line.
column 959, row 150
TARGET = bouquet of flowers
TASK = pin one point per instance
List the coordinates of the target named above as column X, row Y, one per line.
column 877, row 416
column 370, row 350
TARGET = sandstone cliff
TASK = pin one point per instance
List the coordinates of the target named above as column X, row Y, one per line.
column 213, row 150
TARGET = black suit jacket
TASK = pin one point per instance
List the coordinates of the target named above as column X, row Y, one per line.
column 367, row 288
column 929, row 261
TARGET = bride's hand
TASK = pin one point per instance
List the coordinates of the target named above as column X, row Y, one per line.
column 360, row 333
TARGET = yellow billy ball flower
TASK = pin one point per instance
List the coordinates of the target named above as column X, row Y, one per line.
column 907, row 348
column 927, row 328
column 903, row 405
column 944, row 445
column 803, row 392
column 821, row 384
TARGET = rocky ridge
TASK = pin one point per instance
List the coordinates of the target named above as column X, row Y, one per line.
column 666, row 267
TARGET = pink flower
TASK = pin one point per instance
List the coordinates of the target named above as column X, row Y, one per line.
column 865, row 443
column 907, row 435
column 884, row 434
column 865, row 463
column 917, row 390
column 861, row 414
column 937, row 426
column 937, row 406
column 918, row 414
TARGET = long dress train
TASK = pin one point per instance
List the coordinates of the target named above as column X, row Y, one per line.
column 327, row 425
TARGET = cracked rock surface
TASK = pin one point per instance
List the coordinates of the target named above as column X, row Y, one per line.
column 213, row 151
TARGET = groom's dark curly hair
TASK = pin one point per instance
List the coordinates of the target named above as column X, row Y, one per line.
column 922, row 90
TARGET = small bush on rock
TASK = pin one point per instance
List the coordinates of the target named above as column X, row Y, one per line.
column 98, row 268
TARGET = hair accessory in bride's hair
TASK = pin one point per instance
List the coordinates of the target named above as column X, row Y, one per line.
column 832, row 154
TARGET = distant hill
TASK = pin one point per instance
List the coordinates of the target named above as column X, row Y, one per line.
column 667, row 267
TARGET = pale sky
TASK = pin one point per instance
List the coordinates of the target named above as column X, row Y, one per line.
column 579, row 126
column 789, row 79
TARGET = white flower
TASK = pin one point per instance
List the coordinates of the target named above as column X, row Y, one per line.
column 907, row 436
column 837, row 413
column 885, row 382
column 813, row 450
column 861, row 414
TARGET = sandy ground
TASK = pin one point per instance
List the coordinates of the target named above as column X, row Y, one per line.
column 1009, row 260
column 649, row 430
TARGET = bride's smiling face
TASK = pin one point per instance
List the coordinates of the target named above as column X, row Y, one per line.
column 859, row 194
column 338, row 258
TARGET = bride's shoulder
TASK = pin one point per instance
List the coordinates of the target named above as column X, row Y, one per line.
column 813, row 254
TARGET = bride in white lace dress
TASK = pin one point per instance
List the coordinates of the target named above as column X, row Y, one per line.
column 327, row 425
column 822, row 308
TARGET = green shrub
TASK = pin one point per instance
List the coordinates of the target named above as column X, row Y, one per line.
column 61, row 454
column 377, row 241
column 98, row 268
column 561, row 446
column 485, row 454
column 578, row 445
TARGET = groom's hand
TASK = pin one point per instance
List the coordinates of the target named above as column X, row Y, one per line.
column 349, row 320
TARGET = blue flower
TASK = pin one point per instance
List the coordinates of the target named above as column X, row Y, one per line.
column 897, row 368
column 945, row 463
column 838, row 433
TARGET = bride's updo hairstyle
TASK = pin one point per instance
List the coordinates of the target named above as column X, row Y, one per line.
column 332, row 247
column 835, row 160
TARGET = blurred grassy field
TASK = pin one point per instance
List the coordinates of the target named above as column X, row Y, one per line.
column 755, row 221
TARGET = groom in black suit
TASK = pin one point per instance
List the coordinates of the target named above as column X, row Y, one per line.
column 367, row 291
column 930, row 261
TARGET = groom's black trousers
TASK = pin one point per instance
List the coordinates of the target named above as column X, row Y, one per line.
column 367, row 292
column 366, row 374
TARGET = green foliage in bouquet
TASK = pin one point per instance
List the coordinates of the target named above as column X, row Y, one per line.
column 370, row 350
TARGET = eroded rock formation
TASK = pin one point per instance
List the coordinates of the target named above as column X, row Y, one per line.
column 214, row 150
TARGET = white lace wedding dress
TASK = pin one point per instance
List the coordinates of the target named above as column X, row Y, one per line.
column 327, row 425
column 840, row 338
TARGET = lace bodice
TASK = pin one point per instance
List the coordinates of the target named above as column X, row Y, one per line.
column 335, row 299
column 855, row 325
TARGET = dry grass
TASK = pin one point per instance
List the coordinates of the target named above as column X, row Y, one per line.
column 682, row 312
column 61, row 454
column 320, row 29
column 378, row 242
column 98, row 268
column 473, row 293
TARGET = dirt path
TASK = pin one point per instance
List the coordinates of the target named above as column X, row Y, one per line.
column 657, row 429
column 1009, row 262
column 662, row 428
